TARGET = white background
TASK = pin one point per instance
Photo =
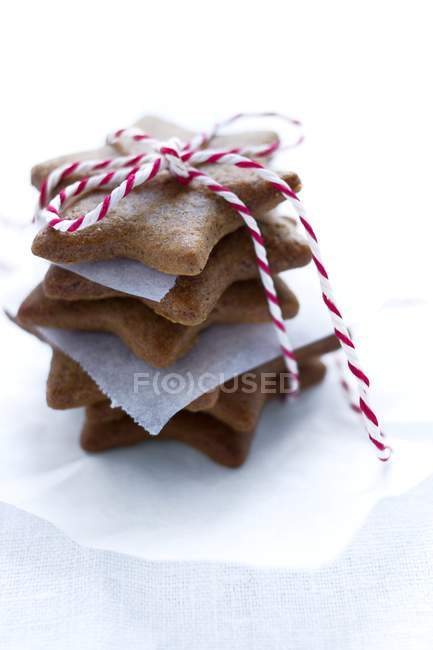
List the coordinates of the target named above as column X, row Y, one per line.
column 359, row 76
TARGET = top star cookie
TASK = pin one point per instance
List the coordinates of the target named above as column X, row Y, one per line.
column 162, row 224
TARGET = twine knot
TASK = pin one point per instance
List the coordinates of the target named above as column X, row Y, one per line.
column 171, row 152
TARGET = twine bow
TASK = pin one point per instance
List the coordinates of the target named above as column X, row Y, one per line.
column 122, row 174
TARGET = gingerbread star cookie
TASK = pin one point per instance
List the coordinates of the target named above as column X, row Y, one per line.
column 151, row 337
column 163, row 224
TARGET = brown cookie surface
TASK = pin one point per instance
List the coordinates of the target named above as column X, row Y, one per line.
column 151, row 337
column 69, row 385
column 193, row 297
column 198, row 430
column 163, row 224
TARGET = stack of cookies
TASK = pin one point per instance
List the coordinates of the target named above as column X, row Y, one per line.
column 197, row 237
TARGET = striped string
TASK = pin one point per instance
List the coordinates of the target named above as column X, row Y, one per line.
column 124, row 173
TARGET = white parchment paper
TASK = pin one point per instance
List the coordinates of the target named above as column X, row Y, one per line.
column 152, row 396
column 126, row 275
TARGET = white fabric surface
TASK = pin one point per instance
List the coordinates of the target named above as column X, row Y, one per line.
column 378, row 595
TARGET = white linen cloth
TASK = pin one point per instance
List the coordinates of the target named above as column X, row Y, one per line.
column 378, row 595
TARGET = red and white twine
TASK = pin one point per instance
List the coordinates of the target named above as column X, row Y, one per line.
column 124, row 173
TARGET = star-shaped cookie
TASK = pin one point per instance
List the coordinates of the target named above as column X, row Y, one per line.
column 151, row 337
column 163, row 224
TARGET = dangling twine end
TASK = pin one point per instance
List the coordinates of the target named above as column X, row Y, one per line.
column 388, row 451
column 385, row 450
